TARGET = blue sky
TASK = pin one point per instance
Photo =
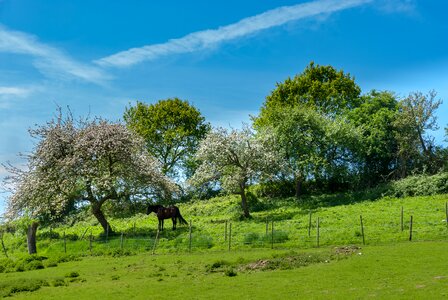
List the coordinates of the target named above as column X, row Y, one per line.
column 99, row 56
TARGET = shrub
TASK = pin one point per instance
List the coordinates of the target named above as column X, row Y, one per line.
column 6, row 265
column 202, row 241
column 279, row 237
column 72, row 274
column 8, row 288
column 420, row 185
column 59, row 281
column 230, row 272
column 251, row 238
column 34, row 265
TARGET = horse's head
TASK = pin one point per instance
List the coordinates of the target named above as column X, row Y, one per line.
column 152, row 208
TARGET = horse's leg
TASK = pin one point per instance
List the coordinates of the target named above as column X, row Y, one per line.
column 174, row 223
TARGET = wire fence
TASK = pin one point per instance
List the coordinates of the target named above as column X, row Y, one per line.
column 308, row 231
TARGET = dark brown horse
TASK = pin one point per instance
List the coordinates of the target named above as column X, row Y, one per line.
column 163, row 213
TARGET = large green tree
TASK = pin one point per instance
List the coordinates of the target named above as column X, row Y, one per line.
column 308, row 115
column 314, row 146
column 416, row 117
column 172, row 130
column 376, row 153
column 323, row 88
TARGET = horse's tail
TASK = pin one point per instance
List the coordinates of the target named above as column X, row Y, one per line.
column 180, row 218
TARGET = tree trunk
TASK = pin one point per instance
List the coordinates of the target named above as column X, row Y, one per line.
column 96, row 210
column 31, row 238
column 244, row 205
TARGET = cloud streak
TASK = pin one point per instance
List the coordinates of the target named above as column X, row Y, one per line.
column 200, row 40
column 13, row 91
column 48, row 60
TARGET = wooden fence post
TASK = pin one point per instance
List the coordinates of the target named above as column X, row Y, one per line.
column 225, row 233
column 90, row 242
column 65, row 243
column 446, row 213
column 121, row 241
column 107, row 232
column 272, row 234
column 230, row 235
column 410, row 230
column 317, row 238
column 362, row 231
column 402, row 226
column 267, row 226
column 189, row 244
column 3, row 246
column 309, row 226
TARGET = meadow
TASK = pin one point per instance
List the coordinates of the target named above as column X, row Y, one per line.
column 250, row 260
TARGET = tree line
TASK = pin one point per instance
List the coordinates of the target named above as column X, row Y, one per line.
column 315, row 133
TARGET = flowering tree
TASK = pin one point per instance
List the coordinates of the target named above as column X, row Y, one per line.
column 234, row 159
column 93, row 161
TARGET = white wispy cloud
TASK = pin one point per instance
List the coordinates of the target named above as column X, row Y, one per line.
column 48, row 60
column 207, row 38
column 394, row 6
column 14, row 91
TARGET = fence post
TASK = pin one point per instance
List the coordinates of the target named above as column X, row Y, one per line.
column 410, row 230
column 225, row 233
column 121, row 241
column 267, row 226
column 3, row 246
column 362, row 231
column 446, row 213
column 230, row 235
column 189, row 245
column 402, row 227
column 107, row 232
column 155, row 242
column 65, row 243
column 309, row 226
column 134, row 228
column 317, row 238
column 272, row 234
column 90, row 242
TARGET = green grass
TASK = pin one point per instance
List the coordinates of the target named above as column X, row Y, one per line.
column 339, row 225
column 412, row 270
column 388, row 266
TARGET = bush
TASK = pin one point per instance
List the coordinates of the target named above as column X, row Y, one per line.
column 58, row 282
column 6, row 265
column 274, row 189
column 251, row 238
column 72, row 274
column 48, row 235
column 20, row 285
column 419, row 185
column 279, row 237
column 202, row 241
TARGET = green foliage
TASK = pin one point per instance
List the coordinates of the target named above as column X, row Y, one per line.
column 10, row 287
column 171, row 128
column 273, row 189
column 419, row 185
column 378, row 149
column 322, row 88
column 59, row 281
column 72, row 274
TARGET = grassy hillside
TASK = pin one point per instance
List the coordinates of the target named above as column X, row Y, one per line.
column 339, row 225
